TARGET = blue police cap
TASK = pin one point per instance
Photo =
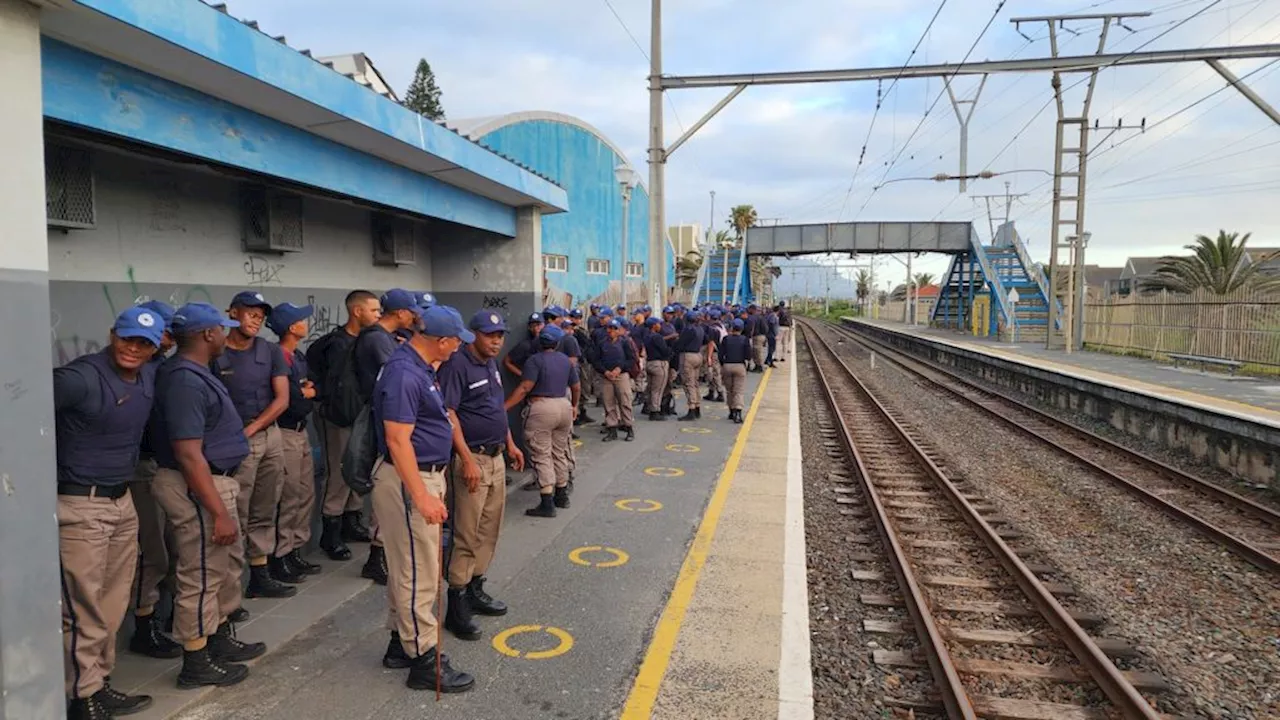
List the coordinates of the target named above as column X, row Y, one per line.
column 738, row 324
column 614, row 324
column 550, row 336
column 535, row 318
column 653, row 322
column 668, row 309
column 141, row 323
column 286, row 314
column 551, row 311
column 444, row 321
column 714, row 313
column 425, row 299
column 161, row 308
column 194, row 317
column 575, row 313
column 606, row 311
column 488, row 321
column 400, row 299
column 251, row 298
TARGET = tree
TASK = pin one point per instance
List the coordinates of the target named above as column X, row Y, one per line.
column 923, row 279
column 423, row 95
column 687, row 269
column 742, row 217
column 863, row 288
column 1215, row 264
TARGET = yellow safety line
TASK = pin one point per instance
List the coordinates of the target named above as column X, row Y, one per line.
column 658, row 656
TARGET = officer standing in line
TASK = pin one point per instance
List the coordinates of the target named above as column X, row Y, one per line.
column 101, row 405
column 657, row 366
column 200, row 444
column 670, row 334
column 153, row 557
column 755, row 330
column 640, row 384
column 523, row 350
column 735, row 349
column 298, row 495
column 771, row 334
column 415, row 439
column 473, row 397
column 689, row 348
column 715, row 333
column 585, row 370
column 598, row 337
column 615, row 357
column 546, row 376
column 257, row 379
column 784, row 330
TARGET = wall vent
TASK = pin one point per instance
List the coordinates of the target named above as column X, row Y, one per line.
column 392, row 240
column 272, row 220
column 68, row 187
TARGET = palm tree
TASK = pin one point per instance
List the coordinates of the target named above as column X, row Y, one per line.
column 687, row 269
column 1215, row 264
column 863, row 288
column 742, row 217
column 923, row 279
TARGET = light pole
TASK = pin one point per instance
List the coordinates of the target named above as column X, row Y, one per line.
column 626, row 180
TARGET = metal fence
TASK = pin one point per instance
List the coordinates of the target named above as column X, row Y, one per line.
column 1243, row 325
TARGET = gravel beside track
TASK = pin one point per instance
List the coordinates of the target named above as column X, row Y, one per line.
column 1210, row 620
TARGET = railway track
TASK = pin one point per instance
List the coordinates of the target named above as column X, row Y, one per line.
column 1245, row 527
column 991, row 630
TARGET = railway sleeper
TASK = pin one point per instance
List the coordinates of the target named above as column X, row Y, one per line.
column 981, row 607
column 1148, row 681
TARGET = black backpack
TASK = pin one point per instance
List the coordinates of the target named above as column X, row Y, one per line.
column 361, row 454
column 343, row 401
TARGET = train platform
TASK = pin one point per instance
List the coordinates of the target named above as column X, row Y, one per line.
column 1255, row 399
column 673, row 587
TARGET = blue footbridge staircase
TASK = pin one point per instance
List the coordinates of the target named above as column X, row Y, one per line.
column 725, row 276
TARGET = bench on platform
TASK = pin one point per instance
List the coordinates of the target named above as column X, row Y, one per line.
column 1179, row 358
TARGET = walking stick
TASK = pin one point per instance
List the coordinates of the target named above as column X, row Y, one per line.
column 439, row 605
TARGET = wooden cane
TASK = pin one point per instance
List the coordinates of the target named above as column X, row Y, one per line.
column 439, row 605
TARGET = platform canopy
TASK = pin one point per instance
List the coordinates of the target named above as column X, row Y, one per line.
column 860, row 237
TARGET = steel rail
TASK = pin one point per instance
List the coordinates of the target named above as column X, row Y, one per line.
column 1120, row 691
column 1250, row 552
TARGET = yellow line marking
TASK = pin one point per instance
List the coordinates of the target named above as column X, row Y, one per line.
column 619, row 557
column 577, row 443
column 678, row 447
column 653, row 669
column 649, row 505
column 696, row 430
column 664, row 472
column 564, row 644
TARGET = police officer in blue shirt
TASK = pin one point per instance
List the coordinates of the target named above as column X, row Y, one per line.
column 200, row 443
column 416, row 439
column 101, row 405
column 515, row 359
column 548, row 419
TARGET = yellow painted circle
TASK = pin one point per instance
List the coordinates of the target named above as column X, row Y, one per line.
column 677, row 447
column 664, row 472
column 638, row 505
column 564, row 644
column 696, row 430
column 577, row 443
column 619, row 557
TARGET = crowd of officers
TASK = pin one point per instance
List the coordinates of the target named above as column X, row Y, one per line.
column 183, row 456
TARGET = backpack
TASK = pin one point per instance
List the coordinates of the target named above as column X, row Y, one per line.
column 636, row 369
column 361, row 454
column 343, row 402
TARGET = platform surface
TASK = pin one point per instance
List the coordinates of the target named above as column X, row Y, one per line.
column 1251, row 398
column 681, row 614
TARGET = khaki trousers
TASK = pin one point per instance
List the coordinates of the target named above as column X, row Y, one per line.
column 735, row 384
column 338, row 497
column 690, row 365
column 476, row 517
column 657, row 370
column 784, row 339
column 413, row 558
column 153, row 559
column 715, row 382
column 205, row 595
column 297, row 494
column 547, row 424
column 618, row 397
column 260, row 477
column 758, row 344
column 98, row 547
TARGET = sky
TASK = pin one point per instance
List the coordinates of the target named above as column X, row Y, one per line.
column 1208, row 159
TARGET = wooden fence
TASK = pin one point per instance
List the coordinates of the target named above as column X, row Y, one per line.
column 1243, row 325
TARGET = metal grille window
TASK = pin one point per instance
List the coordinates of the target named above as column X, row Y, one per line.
column 596, row 266
column 68, row 187
column 555, row 263
column 635, row 270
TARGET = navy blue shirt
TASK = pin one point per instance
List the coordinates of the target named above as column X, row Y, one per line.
column 521, row 352
column 472, row 388
column 734, row 349
column 295, row 416
column 615, row 354
column 406, row 393
column 551, row 374
column 247, row 379
column 374, row 346
column 691, row 339
column 656, row 346
column 569, row 346
column 191, row 403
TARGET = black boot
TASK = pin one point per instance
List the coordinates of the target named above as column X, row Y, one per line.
column 583, row 417
column 422, row 674
column 657, row 417
column 480, row 600
column 561, row 498
column 546, row 508
column 148, row 640
column 457, row 617
column 395, row 658
column 225, row 647
column 697, row 412
column 120, row 704
column 630, row 433
column 375, row 568
column 719, row 397
column 709, row 396
column 611, row 435
column 301, row 564
column 90, row 708
column 283, row 571
column 669, row 406
column 689, row 416
column 352, row 529
column 331, row 538
column 261, row 584
column 238, row 615
column 199, row 669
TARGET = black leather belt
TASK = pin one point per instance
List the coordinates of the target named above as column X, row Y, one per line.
column 298, row 426
column 229, row 472
column 111, row 492
column 422, row 467
column 491, row 450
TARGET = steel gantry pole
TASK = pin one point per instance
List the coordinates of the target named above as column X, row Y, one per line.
column 656, row 267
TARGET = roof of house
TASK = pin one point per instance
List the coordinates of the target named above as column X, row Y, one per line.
column 928, row 291
column 1098, row 275
column 1142, row 266
column 360, row 68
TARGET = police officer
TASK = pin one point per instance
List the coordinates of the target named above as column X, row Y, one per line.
column 586, row 371
column 415, row 438
column 784, row 330
column 298, row 494
column 598, row 336
column 690, row 348
column 771, row 334
column 101, row 405
column 473, row 397
column 515, row 359
column 636, row 332
column 614, row 359
column 735, row 349
column 549, row 415
column 153, row 551
column 754, row 328
column 715, row 333
column 670, row 334
column 257, row 379
column 200, row 443
column 657, row 366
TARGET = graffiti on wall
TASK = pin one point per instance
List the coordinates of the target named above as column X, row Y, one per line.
column 495, row 302
column 324, row 319
column 260, row 271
